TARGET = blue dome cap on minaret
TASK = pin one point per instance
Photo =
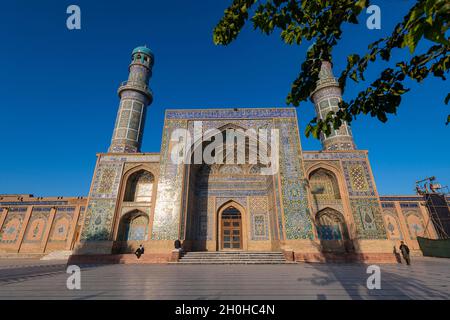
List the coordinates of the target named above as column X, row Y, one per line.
column 143, row 49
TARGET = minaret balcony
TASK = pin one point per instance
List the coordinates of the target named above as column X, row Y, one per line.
column 137, row 86
column 327, row 81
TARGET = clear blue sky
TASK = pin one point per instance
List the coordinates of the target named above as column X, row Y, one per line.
column 59, row 103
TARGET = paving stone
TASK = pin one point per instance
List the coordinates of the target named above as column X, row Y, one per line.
column 425, row 279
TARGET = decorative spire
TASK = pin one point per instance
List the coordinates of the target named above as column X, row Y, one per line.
column 326, row 98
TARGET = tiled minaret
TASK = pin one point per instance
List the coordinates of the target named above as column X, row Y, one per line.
column 135, row 96
column 326, row 98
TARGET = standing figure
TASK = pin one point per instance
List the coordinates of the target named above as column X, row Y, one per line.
column 405, row 252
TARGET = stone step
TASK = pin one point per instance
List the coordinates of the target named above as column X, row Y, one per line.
column 58, row 255
column 218, row 257
column 231, row 262
column 233, row 257
column 234, row 252
column 36, row 256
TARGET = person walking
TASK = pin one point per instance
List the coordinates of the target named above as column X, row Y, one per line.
column 405, row 252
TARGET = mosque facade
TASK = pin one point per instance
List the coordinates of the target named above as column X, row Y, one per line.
column 311, row 205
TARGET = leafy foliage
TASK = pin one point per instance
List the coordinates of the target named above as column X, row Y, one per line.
column 320, row 22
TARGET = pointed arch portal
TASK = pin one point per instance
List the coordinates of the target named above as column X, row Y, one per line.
column 332, row 231
column 231, row 229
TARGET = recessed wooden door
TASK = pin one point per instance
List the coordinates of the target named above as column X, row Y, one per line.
column 231, row 237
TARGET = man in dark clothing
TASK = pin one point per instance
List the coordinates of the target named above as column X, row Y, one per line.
column 177, row 244
column 139, row 251
column 405, row 252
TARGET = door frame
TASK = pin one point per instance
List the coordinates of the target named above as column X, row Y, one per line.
column 244, row 233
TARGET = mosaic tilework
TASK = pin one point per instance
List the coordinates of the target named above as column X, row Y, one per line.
column 135, row 96
column 309, row 163
column 33, row 203
column 328, row 92
column 324, row 186
column 259, row 220
column 105, row 187
column 279, row 220
column 236, row 124
column 388, row 205
column 108, row 175
column 392, row 225
column 61, row 229
column 238, row 193
column 131, row 158
column 133, row 207
column 211, row 217
column 297, row 219
column 37, row 225
column 411, row 198
column 169, row 196
column 273, row 223
column 62, row 224
column 12, row 225
column 98, row 221
column 223, row 182
column 250, row 113
column 334, row 155
column 326, row 98
column 203, row 218
column 186, row 204
column 221, row 200
column 414, row 222
column 138, row 229
column 107, row 179
column 409, row 205
column 368, row 219
column 102, row 203
column 357, row 178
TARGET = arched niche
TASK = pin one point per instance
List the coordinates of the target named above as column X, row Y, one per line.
column 332, row 231
column 324, row 185
column 139, row 187
column 415, row 225
column 133, row 226
column 392, row 227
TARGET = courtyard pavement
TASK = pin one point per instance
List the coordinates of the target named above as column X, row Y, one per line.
column 427, row 278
